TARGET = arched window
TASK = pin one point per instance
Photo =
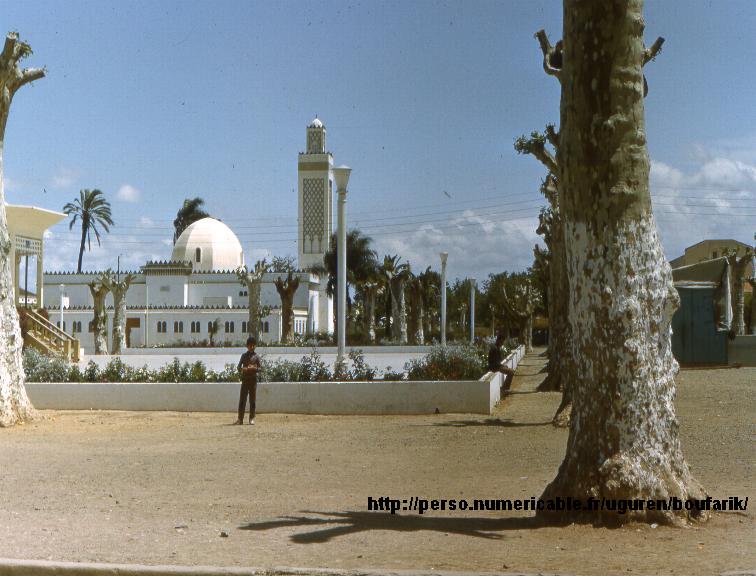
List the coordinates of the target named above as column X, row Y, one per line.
column 209, row 327
column 198, row 254
column 232, row 327
column 267, row 327
column 181, row 327
column 244, row 326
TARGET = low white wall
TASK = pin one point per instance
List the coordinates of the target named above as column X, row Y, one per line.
column 301, row 350
column 377, row 397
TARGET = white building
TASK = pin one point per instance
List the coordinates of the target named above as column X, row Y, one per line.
column 176, row 301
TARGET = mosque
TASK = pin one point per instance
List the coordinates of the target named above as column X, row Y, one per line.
column 176, row 301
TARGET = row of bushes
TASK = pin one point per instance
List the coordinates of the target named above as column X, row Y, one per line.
column 442, row 363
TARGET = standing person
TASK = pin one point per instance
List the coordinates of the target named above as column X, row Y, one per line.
column 495, row 365
column 248, row 367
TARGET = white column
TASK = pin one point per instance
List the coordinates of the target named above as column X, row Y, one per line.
column 472, row 310
column 62, row 287
column 40, row 280
column 146, row 312
column 341, row 175
column 444, row 256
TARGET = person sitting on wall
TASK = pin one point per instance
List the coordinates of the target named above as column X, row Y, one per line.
column 495, row 365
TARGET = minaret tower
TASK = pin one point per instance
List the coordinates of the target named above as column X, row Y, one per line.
column 315, row 198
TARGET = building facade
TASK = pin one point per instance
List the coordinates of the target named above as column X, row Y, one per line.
column 182, row 300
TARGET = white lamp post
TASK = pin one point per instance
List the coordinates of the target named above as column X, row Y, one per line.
column 62, row 287
column 341, row 176
column 444, row 256
column 472, row 310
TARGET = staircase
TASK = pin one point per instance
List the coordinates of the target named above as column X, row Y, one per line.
column 46, row 337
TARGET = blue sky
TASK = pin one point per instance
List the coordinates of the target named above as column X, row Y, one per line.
column 154, row 102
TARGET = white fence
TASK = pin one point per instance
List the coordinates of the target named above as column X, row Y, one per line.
column 377, row 397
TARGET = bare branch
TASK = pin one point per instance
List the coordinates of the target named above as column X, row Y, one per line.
column 10, row 45
column 29, row 75
column 651, row 53
column 552, row 55
column 536, row 145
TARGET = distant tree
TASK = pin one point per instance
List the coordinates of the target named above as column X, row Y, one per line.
column 554, row 265
column 283, row 264
column 360, row 261
column 118, row 288
column 93, row 210
column 252, row 280
column 190, row 211
column 212, row 330
column 99, row 291
column 14, row 403
column 286, row 288
column 396, row 274
column 738, row 265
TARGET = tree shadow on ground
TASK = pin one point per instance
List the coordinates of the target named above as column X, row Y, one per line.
column 507, row 423
column 335, row 524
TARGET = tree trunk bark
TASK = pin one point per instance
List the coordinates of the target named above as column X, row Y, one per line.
column 84, row 226
column 253, row 318
column 370, row 313
column 420, row 315
column 623, row 440
column 119, row 290
column 738, row 267
column 99, row 317
column 559, row 332
column 14, row 403
column 752, row 282
column 396, row 327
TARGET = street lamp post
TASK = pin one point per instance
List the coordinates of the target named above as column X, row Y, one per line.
column 472, row 310
column 341, row 176
column 62, row 287
column 444, row 256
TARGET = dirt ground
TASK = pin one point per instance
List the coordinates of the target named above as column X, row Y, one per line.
column 164, row 488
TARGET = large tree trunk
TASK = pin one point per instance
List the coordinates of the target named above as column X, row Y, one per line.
column 14, row 403
column 623, row 440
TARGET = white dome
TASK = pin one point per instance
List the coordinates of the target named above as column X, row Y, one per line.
column 209, row 245
column 316, row 123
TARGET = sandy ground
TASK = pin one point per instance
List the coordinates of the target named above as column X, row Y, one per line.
column 163, row 488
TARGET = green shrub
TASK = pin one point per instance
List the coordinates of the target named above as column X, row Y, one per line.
column 389, row 374
column 361, row 370
column 41, row 368
column 314, row 369
column 449, row 363
column 281, row 371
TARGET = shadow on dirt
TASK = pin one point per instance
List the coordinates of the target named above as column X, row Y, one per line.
column 329, row 525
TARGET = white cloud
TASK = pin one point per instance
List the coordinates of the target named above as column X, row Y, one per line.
column 477, row 245
column 128, row 193
column 717, row 200
column 146, row 222
column 64, row 178
column 48, row 234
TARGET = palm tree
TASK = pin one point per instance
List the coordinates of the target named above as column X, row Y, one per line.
column 396, row 274
column 189, row 212
column 361, row 263
column 92, row 209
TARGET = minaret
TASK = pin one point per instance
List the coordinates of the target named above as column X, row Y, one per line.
column 315, row 198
